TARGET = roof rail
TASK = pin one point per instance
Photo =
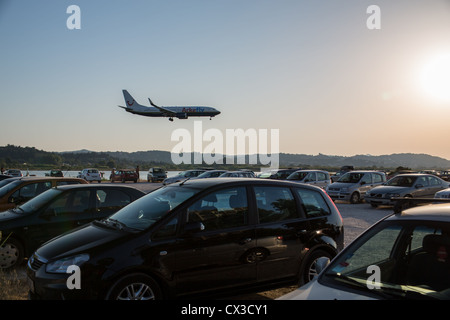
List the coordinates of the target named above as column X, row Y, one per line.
column 403, row 203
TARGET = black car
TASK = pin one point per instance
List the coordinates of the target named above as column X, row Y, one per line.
column 194, row 237
column 53, row 212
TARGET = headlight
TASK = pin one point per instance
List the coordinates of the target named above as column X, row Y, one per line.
column 60, row 266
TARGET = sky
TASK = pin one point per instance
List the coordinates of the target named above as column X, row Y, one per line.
column 315, row 70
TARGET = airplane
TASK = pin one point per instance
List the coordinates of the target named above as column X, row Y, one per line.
column 171, row 112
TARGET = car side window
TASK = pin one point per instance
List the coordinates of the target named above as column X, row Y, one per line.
column 321, row 176
column 367, row 178
column 31, row 190
column 433, row 181
column 69, row 203
column 377, row 178
column 275, row 204
column 313, row 203
column 111, row 198
column 423, row 181
column 225, row 208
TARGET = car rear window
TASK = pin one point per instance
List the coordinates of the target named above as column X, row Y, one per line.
column 313, row 203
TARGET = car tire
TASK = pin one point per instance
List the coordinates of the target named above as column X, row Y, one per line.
column 137, row 286
column 11, row 254
column 309, row 269
column 355, row 198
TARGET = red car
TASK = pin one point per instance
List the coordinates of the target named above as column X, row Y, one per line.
column 124, row 175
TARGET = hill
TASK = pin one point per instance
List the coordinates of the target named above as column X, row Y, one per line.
column 32, row 158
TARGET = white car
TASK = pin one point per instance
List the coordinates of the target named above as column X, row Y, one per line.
column 90, row 174
column 403, row 256
column 443, row 194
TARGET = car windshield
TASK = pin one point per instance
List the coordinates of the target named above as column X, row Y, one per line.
column 402, row 260
column 37, row 202
column 401, row 181
column 351, row 177
column 156, row 170
column 145, row 211
column 297, row 176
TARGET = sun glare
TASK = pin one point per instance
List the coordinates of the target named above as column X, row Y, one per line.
column 435, row 77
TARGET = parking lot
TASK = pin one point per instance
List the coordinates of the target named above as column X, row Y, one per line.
column 357, row 218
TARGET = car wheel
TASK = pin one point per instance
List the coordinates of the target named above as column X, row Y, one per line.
column 11, row 254
column 135, row 287
column 354, row 198
column 310, row 269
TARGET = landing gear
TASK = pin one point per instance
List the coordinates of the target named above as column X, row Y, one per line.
column 170, row 119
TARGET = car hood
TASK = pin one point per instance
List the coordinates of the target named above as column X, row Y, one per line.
column 389, row 189
column 8, row 216
column 79, row 240
column 315, row 291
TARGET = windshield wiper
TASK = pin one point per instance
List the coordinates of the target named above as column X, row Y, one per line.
column 358, row 284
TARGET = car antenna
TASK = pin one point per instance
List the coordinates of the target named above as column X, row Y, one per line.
column 184, row 181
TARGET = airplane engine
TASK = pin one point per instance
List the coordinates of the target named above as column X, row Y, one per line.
column 181, row 115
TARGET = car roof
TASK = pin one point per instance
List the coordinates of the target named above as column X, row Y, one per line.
column 47, row 178
column 212, row 182
column 430, row 212
column 95, row 186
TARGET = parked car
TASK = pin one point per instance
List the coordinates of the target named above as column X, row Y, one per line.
column 156, row 174
column 210, row 174
column 194, row 237
column 54, row 212
column 343, row 170
column 90, row 175
column 318, row 178
column 354, row 185
column 124, row 175
column 13, row 173
column 238, row 174
column 404, row 256
column 23, row 189
column 443, row 194
column 54, row 173
column 406, row 185
column 183, row 176
column 279, row 174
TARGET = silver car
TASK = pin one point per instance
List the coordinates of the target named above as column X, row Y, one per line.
column 406, row 185
column 318, row 178
column 354, row 185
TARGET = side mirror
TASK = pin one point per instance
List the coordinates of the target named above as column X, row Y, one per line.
column 193, row 227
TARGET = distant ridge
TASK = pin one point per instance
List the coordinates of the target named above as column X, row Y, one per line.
column 11, row 155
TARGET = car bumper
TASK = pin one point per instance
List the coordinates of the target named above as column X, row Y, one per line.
column 339, row 195
column 379, row 201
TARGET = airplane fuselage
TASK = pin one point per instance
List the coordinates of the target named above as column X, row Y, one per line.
column 196, row 111
column 180, row 112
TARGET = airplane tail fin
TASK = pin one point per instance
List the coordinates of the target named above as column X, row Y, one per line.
column 129, row 100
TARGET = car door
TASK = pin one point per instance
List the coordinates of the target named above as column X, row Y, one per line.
column 69, row 210
column 435, row 185
column 280, row 234
column 322, row 180
column 215, row 246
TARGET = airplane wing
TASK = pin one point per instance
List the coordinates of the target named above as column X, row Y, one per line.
column 164, row 111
